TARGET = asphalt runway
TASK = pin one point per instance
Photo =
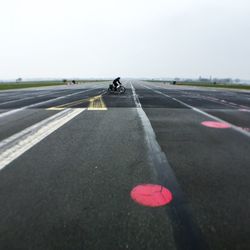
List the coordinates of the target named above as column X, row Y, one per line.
column 71, row 157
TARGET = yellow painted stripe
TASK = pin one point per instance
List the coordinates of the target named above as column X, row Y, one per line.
column 67, row 105
column 97, row 103
column 70, row 104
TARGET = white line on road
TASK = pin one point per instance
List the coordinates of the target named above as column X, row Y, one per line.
column 136, row 99
column 216, row 100
column 28, row 98
column 181, row 211
column 234, row 127
column 17, row 144
column 41, row 103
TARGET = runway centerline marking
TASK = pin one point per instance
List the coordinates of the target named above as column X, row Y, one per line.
column 17, row 144
column 232, row 126
column 184, row 226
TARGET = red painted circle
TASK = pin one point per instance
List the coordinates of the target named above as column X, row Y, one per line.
column 151, row 195
column 212, row 124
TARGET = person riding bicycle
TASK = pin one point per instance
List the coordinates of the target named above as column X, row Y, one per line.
column 116, row 83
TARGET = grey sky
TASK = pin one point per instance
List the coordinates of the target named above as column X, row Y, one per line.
column 130, row 38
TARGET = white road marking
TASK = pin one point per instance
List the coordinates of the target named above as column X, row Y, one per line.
column 40, row 103
column 28, row 98
column 136, row 99
column 166, row 177
column 55, row 108
column 17, row 144
column 224, row 102
column 234, row 127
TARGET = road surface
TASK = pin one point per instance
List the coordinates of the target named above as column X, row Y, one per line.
column 71, row 157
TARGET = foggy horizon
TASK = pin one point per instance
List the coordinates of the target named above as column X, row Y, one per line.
column 131, row 39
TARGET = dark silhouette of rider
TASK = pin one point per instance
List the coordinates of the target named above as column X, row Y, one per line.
column 116, row 82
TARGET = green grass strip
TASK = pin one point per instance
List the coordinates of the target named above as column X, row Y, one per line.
column 4, row 86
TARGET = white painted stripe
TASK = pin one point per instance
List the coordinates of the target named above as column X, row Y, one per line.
column 166, row 177
column 11, row 112
column 96, row 109
column 136, row 99
column 41, row 103
column 234, row 127
column 55, row 108
column 17, row 144
column 28, row 98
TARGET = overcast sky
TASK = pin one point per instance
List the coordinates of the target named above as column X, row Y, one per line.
column 129, row 38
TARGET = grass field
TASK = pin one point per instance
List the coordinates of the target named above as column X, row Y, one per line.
column 4, row 86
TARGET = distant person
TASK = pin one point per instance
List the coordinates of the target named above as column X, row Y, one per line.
column 116, row 83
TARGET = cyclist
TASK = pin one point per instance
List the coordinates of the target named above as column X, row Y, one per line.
column 116, row 83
